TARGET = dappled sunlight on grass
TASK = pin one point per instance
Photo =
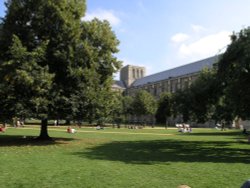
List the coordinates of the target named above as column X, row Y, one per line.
column 154, row 151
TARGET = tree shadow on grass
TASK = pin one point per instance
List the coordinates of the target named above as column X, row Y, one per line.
column 18, row 140
column 150, row 152
column 219, row 133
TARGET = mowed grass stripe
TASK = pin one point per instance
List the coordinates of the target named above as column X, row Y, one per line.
column 104, row 132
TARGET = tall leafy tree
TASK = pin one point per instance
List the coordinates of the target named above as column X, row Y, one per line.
column 181, row 104
column 25, row 85
column 223, row 111
column 78, row 60
column 127, row 104
column 165, row 108
column 57, row 23
column 199, row 102
column 94, row 68
column 144, row 104
column 117, row 111
column 204, row 94
column 99, row 43
column 234, row 73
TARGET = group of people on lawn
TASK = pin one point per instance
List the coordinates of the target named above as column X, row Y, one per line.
column 72, row 130
column 17, row 122
column 184, row 128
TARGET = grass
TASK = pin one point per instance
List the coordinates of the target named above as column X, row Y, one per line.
column 144, row 158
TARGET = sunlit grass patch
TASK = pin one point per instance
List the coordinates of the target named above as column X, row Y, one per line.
column 121, row 158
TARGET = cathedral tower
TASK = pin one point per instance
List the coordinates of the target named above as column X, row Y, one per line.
column 130, row 73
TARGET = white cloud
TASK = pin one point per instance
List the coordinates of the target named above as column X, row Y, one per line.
column 206, row 46
column 179, row 37
column 197, row 28
column 102, row 14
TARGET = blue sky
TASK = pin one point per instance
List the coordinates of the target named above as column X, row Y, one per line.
column 162, row 34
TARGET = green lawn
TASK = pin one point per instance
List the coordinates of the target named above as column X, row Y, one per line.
column 147, row 158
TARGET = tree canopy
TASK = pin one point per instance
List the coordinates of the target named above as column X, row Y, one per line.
column 165, row 108
column 144, row 104
column 234, row 75
column 54, row 64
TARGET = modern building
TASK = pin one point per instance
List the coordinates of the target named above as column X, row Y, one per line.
column 132, row 78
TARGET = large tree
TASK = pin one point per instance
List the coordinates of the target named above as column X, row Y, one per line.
column 25, row 85
column 93, row 70
column 181, row 104
column 58, row 24
column 144, row 104
column 204, row 94
column 234, row 73
column 199, row 102
column 77, row 59
column 165, row 108
column 127, row 105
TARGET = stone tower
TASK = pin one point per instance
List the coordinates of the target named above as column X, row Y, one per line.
column 130, row 73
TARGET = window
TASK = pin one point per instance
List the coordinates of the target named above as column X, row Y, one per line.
column 155, row 90
column 142, row 74
column 133, row 73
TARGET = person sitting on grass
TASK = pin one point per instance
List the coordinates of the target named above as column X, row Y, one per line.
column 98, row 127
column 245, row 131
column 70, row 130
column 2, row 129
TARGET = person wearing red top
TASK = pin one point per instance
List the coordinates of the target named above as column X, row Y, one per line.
column 2, row 129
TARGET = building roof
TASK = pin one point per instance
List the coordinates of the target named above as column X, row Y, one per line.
column 118, row 84
column 178, row 71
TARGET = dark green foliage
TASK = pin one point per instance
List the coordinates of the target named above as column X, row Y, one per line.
column 127, row 104
column 24, row 84
column 92, row 71
column 182, row 103
column 224, row 111
column 144, row 103
column 233, row 72
column 165, row 108
column 58, row 66
column 99, row 44
column 36, row 23
column 204, row 94
column 202, row 100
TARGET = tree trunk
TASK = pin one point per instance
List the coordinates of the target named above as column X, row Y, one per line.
column 166, row 126
column 44, row 131
column 237, row 122
column 67, row 122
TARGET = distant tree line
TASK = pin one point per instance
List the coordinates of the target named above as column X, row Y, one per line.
column 221, row 93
